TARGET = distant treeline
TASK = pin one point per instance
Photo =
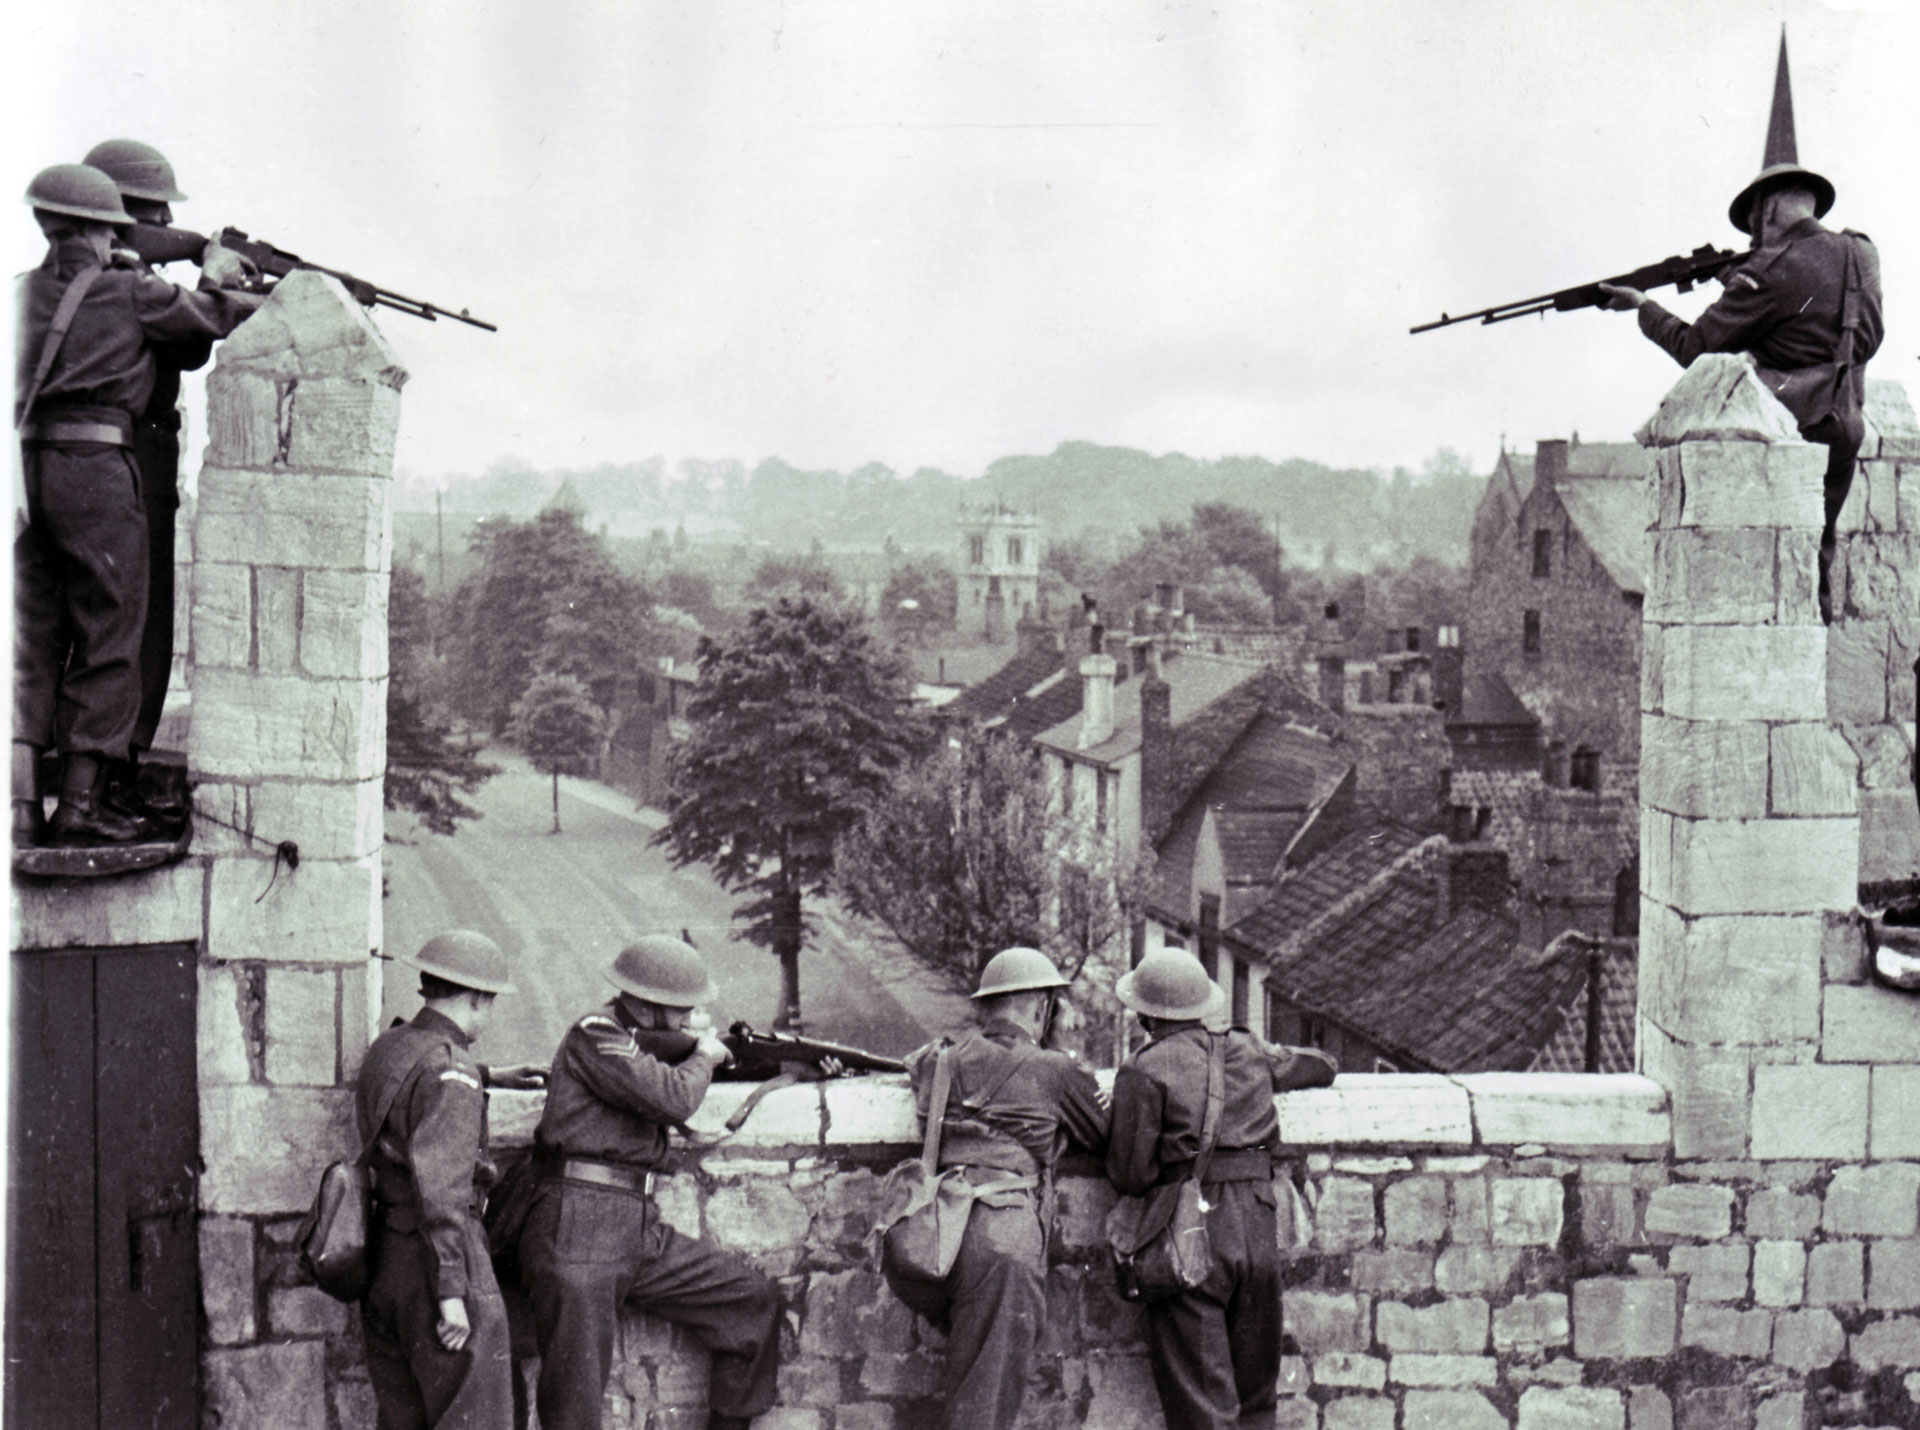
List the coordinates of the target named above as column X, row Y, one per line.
column 1356, row 516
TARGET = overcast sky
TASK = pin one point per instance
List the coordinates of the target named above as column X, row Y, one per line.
column 937, row 233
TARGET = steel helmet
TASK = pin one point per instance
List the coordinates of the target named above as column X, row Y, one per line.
column 140, row 170
column 469, row 959
column 1017, row 970
column 661, row 969
column 1170, row 983
column 78, row 190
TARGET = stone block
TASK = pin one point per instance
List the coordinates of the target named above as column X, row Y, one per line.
column 1878, row 1200
column 1653, row 666
column 1458, row 1326
column 778, row 1418
column 1123, row 1394
column 283, row 1385
column 1892, row 430
column 1690, row 1209
column 1372, row 1166
column 1810, row 1110
column 1743, row 673
column 302, row 520
column 1350, row 1370
column 1400, row 1271
column 327, row 820
column 873, row 1110
column 343, row 625
column 1869, row 1024
column 1526, row 1211
column 1836, row 1274
column 1857, row 671
column 757, row 1216
column 263, row 1148
column 1416, row 1211
column 1528, row 1325
column 1440, row 1370
column 886, row 1373
column 1470, row 1269
column 1893, row 1275
column 302, row 1018
column 1359, row 1412
column 1843, row 950
column 1576, row 1407
column 226, row 1052
column 311, row 327
column 1344, row 1219
column 787, row 1118
column 1884, row 754
column 1649, row 1409
column 326, row 911
column 1296, row 1412
column 227, row 1279
column 1704, row 769
column 1779, row 1273
column 853, row 1308
column 1569, row 1111
column 276, row 620
column 1450, row 1410
column 305, row 1311
column 221, row 616
column 1321, row 1321
column 165, row 905
column 1733, row 978
column 810, row 1380
column 1727, row 1332
column 252, row 727
column 1896, row 1111
column 1607, row 1216
column 1081, row 1205
column 1892, row 1342
column 1708, row 1086
column 1781, row 1213
column 1716, row 576
column 1814, row 770
column 1624, row 1317
column 1376, row 1108
column 1889, row 835
column 1714, row 1273
column 1880, row 576
column 1760, row 866
column 1715, row 1407
column 354, row 1403
column 1472, row 1221
column 1807, row 1340
column 1719, row 403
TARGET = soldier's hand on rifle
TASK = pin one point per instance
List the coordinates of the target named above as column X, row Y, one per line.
column 713, row 1050
column 453, row 1330
column 518, row 1077
column 1622, row 300
column 830, row 1067
column 223, row 268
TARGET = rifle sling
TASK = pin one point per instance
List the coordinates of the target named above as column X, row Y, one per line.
column 70, row 299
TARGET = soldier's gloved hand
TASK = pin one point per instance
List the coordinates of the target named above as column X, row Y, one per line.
column 713, row 1050
column 223, row 268
column 453, row 1330
column 1622, row 300
column 517, row 1077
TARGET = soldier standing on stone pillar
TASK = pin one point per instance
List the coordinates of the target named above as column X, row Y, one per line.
column 85, row 367
column 147, row 191
column 1806, row 305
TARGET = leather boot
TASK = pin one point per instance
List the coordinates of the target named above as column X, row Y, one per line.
column 29, row 817
column 83, row 817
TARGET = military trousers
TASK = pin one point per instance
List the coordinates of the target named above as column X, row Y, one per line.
column 588, row 1250
column 1216, row 1350
column 80, row 600
column 991, row 1306
column 156, row 451
column 418, row 1383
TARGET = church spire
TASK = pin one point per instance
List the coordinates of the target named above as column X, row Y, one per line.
column 1781, row 148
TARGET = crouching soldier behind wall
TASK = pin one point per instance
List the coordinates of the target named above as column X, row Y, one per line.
column 435, row 1326
column 594, row 1240
column 1012, row 1106
column 1215, row 1350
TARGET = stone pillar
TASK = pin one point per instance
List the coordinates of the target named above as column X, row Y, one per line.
column 1750, row 822
column 292, row 541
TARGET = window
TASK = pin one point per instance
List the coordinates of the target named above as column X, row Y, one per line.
column 1313, row 1031
column 977, row 550
column 1542, row 553
column 1100, row 802
column 1530, row 633
column 1013, row 550
column 1210, row 934
column 1585, row 773
column 1066, row 788
column 1238, row 993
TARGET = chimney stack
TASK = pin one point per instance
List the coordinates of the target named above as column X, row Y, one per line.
column 1550, row 459
column 1470, row 876
column 1035, row 634
column 1449, row 672
column 1332, row 660
column 1156, row 747
column 1097, row 671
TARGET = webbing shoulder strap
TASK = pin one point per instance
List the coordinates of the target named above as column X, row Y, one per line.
column 392, row 1095
column 937, row 1110
column 70, row 300
column 1216, row 1097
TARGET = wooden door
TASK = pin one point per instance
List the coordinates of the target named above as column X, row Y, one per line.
column 103, row 1276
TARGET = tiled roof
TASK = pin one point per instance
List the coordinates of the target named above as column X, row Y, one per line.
column 1202, row 742
column 1608, row 459
column 1566, row 1051
column 1487, row 699
column 992, row 696
column 1610, row 513
column 1194, row 682
column 1252, row 840
column 1309, row 892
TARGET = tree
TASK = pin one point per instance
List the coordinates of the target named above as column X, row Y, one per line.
column 558, row 726
column 799, row 721
column 934, row 591
column 967, row 855
column 427, row 774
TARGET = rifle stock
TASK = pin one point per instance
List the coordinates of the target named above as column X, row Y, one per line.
column 157, row 244
column 1681, row 271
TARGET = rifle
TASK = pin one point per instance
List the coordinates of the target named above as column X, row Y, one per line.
column 1682, row 271
column 157, row 244
column 774, row 1060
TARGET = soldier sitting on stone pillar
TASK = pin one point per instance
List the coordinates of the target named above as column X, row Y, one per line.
column 86, row 368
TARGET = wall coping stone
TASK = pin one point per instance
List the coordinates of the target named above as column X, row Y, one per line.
column 1622, row 1113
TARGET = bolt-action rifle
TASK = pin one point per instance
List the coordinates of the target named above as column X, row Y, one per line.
column 1682, row 271
column 157, row 244
column 774, row 1060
